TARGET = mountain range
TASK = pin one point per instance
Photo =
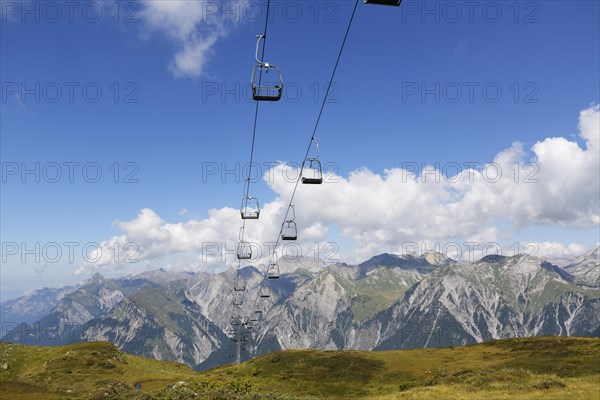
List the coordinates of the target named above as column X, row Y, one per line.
column 387, row 302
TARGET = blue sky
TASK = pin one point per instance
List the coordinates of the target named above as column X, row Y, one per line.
column 544, row 57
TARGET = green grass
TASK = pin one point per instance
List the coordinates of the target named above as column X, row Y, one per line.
column 75, row 370
column 527, row 369
column 377, row 292
column 520, row 368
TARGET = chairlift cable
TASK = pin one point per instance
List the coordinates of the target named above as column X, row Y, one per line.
column 236, row 301
column 313, row 137
column 262, row 57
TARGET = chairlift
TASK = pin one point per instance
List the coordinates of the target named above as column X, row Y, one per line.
column 237, row 301
column 264, row 292
column 395, row 3
column 244, row 249
column 250, row 208
column 262, row 91
column 289, row 230
column 273, row 271
column 311, row 170
column 240, row 285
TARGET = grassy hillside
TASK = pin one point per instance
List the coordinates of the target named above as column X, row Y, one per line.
column 74, row 370
column 533, row 368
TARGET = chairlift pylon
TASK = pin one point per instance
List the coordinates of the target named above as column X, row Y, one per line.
column 311, row 170
column 265, row 91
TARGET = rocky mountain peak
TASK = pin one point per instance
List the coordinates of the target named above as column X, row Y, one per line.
column 97, row 279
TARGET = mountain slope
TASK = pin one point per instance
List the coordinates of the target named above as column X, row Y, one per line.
column 387, row 302
column 150, row 324
column 497, row 297
column 31, row 307
column 64, row 323
column 533, row 368
column 586, row 268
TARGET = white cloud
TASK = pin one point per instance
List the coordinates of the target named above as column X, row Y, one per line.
column 560, row 250
column 558, row 186
column 194, row 25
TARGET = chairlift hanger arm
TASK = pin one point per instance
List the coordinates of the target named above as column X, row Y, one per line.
column 260, row 37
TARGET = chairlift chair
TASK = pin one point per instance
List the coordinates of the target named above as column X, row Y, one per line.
column 273, row 271
column 289, row 230
column 237, row 301
column 264, row 292
column 314, row 166
column 244, row 251
column 395, row 3
column 262, row 91
column 311, row 170
column 240, row 285
column 250, row 208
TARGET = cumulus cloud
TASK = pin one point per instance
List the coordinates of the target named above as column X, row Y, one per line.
column 558, row 250
column 195, row 26
column 557, row 186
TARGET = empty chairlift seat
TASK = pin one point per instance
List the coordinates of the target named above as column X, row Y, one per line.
column 244, row 249
column 239, row 285
column 289, row 230
column 264, row 292
column 262, row 88
column 237, row 301
column 262, row 302
column 273, row 271
column 311, row 170
column 250, row 208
